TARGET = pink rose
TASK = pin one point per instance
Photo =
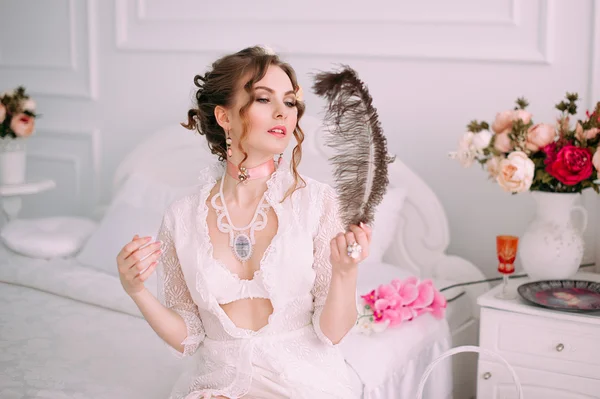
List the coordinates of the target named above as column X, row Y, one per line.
column 22, row 125
column 539, row 136
column 504, row 121
column 585, row 134
column 522, row 115
column 516, row 172
column 2, row 112
column 502, row 142
column 596, row 159
column 572, row 165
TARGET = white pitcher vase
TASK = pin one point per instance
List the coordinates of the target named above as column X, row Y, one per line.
column 12, row 160
column 552, row 247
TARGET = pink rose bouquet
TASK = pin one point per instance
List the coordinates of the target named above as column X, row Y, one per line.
column 17, row 114
column 392, row 304
column 521, row 155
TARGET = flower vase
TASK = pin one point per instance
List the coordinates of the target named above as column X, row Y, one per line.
column 552, row 246
column 12, row 160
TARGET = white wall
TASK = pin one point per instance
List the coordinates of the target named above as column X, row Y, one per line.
column 107, row 73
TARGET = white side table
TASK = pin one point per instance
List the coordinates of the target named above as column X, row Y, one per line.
column 11, row 194
column 556, row 355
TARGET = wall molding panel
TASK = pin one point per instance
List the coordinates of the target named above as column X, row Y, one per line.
column 79, row 150
column 60, row 60
column 497, row 31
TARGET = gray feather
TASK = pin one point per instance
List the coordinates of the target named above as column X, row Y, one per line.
column 361, row 159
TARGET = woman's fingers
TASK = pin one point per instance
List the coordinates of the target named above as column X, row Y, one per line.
column 142, row 255
column 142, row 265
column 368, row 231
column 132, row 246
column 146, row 273
column 362, row 239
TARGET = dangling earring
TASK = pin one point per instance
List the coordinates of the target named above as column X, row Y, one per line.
column 228, row 144
column 280, row 160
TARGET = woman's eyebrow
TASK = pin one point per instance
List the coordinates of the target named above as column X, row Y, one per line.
column 272, row 91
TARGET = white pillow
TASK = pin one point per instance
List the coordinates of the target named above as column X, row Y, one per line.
column 47, row 237
column 138, row 208
column 385, row 224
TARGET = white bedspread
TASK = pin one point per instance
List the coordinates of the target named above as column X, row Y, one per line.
column 67, row 331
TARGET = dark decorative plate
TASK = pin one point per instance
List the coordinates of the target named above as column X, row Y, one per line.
column 569, row 295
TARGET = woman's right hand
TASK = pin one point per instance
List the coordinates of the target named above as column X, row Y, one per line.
column 130, row 263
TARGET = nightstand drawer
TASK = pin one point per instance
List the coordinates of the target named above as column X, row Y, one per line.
column 542, row 343
column 494, row 381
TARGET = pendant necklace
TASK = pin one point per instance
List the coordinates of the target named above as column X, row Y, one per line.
column 241, row 239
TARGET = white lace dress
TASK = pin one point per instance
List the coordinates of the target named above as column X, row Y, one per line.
column 290, row 354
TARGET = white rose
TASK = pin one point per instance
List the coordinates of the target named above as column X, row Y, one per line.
column 29, row 105
column 482, row 140
column 466, row 150
column 516, row 172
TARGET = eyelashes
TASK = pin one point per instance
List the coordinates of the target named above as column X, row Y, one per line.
column 263, row 100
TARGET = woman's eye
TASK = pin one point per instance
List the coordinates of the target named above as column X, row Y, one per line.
column 290, row 103
column 262, row 100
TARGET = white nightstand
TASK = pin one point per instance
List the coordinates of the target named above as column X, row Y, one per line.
column 11, row 194
column 556, row 355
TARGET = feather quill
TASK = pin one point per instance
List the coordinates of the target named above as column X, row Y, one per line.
column 360, row 163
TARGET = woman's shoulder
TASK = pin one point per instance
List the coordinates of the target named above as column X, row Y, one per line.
column 183, row 207
column 318, row 188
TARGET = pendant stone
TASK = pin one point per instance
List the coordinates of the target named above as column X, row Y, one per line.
column 242, row 247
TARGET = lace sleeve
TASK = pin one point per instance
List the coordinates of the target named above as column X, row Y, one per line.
column 329, row 226
column 173, row 291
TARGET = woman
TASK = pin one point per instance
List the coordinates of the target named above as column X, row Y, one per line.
column 257, row 277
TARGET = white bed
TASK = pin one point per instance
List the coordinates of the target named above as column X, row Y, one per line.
column 67, row 330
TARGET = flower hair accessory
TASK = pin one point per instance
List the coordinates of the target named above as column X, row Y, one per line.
column 402, row 300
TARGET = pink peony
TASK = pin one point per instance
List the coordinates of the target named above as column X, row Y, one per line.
column 572, row 165
column 539, row 136
column 596, row 159
column 585, row 134
column 502, row 142
column 523, row 115
column 504, row 120
column 22, row 125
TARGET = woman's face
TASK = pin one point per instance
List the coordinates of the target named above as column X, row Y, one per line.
column 272, row 116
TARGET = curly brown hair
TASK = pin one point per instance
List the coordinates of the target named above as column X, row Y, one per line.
column 218, row 88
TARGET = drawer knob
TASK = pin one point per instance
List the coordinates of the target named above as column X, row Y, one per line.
column 487, row 375
column 560, row 347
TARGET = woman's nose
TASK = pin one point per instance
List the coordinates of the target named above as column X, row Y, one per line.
column 280, row 111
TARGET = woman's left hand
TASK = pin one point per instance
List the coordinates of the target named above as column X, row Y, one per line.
column 341, row 245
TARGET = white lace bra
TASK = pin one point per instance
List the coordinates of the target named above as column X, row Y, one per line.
column 227, row 287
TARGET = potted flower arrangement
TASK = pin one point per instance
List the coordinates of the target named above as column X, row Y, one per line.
column 553, row 161
column 17, row 122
